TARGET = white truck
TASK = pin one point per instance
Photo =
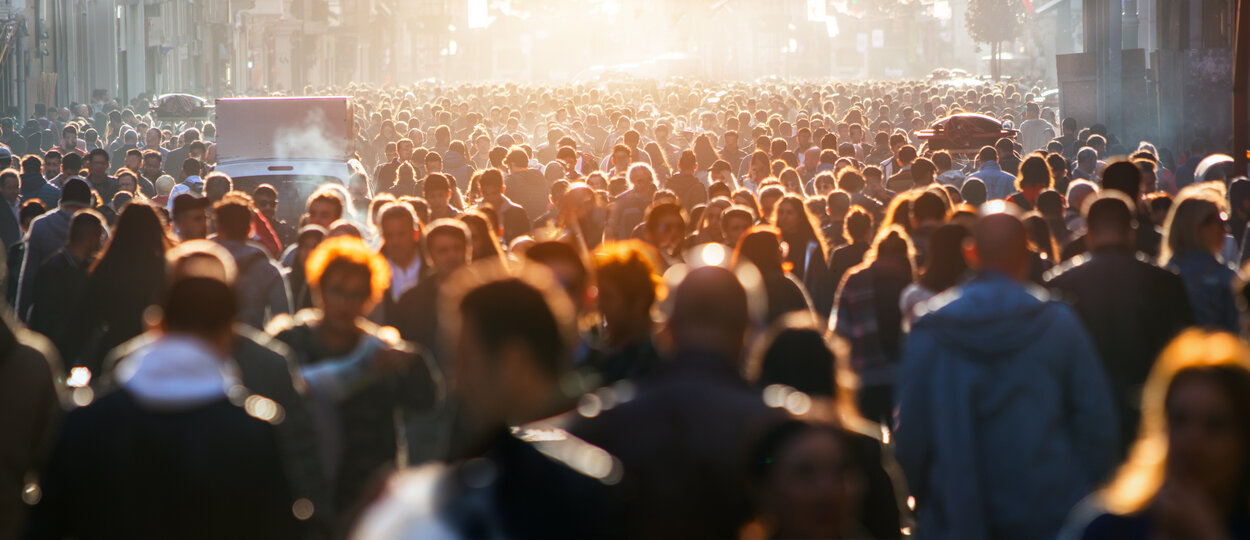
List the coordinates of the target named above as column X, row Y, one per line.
column 295, row 144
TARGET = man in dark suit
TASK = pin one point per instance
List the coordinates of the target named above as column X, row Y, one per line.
column 11, row 191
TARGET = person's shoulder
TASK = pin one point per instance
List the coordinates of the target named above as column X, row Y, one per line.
column 1066, row 271
column 567, row 454
column 293, row 329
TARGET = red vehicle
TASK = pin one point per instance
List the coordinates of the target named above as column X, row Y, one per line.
column 964, row 133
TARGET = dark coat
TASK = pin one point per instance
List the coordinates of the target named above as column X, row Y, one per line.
column 1132, row 309
column 58, row 295
column 29, row 411
column 10, row 229
column 121, row 470
column 683, row 471
column 267, row 368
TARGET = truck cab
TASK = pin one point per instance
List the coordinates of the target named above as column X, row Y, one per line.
column 295, row 144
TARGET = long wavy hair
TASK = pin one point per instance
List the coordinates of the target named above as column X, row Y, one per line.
column 1218, row 357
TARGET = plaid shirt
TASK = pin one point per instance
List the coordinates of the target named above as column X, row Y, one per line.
column 855, row 318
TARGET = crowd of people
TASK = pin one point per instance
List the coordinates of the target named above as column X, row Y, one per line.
column 638, row 309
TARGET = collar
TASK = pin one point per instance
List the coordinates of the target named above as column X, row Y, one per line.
column 176, row 372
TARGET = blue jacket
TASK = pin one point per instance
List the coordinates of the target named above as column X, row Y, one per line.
column 1209, row 284
column 998, row 184
column 1005, row 418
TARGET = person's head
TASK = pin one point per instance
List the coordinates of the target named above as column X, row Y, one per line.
column 927, row 208
column 1032, row 110
column 437, row 190
column 973, row 192
column 87, row 230
column 98, row 162
column 400, row 231
column 941, row 161
column 1078, row 191
column 138, row 244
column 325, row 206
column 151, row 163
column 922, row 172
column 490, row 183
column 69, row 136
column 513, row 338
column 127, row 181
column 347, row 279
column 164, row 185
column 32, row 164
column 517, row 159
column 666, row 226
column 265, row 198
column 794, row 354
column 709, row 314
column 10, row 185
column 1001, row 244
column 51, row 164
column 791, row 216
column 1069, row 127
column 987, row 154
column 447, row 245
column 1149, row 175
column 1087, row 160
column 1098, row 143
column 1034, row 176
column 761, row 246
column 628, row 289
column 433, row 162
column 71, row 164
column 642, row 176
column 804, row 476
column 233, row 215
column 190, row 216
column 565, row 263
column 217, row 185
column 1123, row 176
column 1195, row 428
column 75, row 194
column 1195, row 223
column 202, row 307
column 945, row 265
column 906, row 154
column 734, row 222
column 1110, row 222
column 134, row 159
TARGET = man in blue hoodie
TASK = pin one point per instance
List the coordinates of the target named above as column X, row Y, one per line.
column 1005, row 418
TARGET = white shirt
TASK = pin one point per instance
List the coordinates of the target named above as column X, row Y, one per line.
column 403, row 279
column 184, row 188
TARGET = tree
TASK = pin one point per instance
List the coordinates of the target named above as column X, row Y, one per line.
column 994, row 22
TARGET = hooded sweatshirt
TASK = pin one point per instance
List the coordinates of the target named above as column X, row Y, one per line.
column 1005, row 418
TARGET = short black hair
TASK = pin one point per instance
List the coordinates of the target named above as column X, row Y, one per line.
column 86, row 223
column 512, row 312
column 199, row 305
column 98, row 152
column 234, row 216
column 436, row 183
column 1108, row 213
column 71, row 162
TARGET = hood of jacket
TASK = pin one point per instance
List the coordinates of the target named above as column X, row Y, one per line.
column 176, row 372
column 990, row 316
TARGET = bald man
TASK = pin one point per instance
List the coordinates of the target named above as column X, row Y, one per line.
column 1005, row 418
